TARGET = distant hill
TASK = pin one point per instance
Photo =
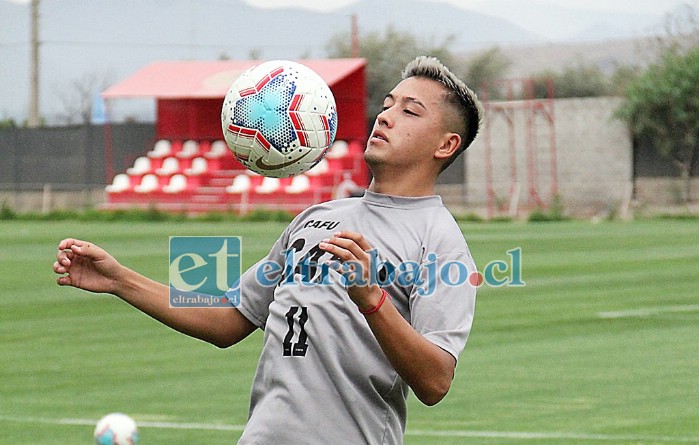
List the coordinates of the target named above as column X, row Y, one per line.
column 559, row 23
column 608, row 55
column 112, row 39
column 434, row 21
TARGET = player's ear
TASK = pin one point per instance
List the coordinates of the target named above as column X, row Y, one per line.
column 450, row 144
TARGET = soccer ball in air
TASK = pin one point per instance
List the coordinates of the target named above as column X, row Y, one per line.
column 279, row 118
column 116, row 429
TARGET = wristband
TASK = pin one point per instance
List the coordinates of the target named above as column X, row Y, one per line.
column 384, row 294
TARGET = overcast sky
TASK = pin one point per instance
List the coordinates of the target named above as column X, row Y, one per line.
column 658, row 7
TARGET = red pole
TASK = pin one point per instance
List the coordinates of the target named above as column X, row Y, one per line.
column 490, row 192
column 108, row 152
column 552, row 140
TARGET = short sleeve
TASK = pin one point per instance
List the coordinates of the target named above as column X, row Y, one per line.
column 442, row 309
column 257, row 284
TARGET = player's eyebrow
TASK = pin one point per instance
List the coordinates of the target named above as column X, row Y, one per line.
column 416, row 101
column 410, row 99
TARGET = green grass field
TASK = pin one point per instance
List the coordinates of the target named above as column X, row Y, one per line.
column 600, row 346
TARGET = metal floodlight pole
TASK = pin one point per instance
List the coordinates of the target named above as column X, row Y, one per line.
column 33, row 119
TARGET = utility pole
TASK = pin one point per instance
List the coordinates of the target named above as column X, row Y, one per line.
column 355, row 36
column 33, row 120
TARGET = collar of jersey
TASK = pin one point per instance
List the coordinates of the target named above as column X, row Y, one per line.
column 412, row 202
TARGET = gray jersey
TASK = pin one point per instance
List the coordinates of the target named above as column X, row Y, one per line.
column 322, row 377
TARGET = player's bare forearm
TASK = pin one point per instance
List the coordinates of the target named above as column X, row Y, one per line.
column 222, row 327
column 84, row 265
column 424, row 366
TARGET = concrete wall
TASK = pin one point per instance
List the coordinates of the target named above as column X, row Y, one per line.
column 659, row 192
column 593, row 159
column 49, row 199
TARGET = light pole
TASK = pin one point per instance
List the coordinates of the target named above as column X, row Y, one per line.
column 33, row 120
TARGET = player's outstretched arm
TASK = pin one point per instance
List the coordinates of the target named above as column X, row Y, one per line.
column 86, row 266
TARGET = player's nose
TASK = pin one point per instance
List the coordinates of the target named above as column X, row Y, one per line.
column 384, row 118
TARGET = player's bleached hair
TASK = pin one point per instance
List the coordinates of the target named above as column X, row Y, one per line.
column 458, row 95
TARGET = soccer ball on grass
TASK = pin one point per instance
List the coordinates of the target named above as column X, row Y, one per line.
column 116, row 429
column 279, row 118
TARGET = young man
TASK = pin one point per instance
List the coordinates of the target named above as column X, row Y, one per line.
column 344, row 339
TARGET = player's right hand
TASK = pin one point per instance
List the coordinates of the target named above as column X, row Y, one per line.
column 86, row 266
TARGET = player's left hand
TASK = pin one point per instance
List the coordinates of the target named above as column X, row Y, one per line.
column 354, row 262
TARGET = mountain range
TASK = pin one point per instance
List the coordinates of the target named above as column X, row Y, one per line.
column 108, row 40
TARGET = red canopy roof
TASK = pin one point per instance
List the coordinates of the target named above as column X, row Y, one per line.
column 210, row 79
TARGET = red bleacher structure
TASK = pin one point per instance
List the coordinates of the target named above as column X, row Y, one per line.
column 189, row 167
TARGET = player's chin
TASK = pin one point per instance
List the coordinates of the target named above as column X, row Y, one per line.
column 372, row 156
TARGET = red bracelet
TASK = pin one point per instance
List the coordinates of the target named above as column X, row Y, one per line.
column 384, row 294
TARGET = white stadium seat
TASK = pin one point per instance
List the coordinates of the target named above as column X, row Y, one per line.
column 218, row 149
column 269, row 185
column 120, row 183
column 161, row 149
column 170, row 166
column 190, row 149
column 177, row 184
column 299, row 184
column 148, row 184
column 322, row 167
column 339, row 149
column 141, row 166
column 199, row 167
column 241, row 184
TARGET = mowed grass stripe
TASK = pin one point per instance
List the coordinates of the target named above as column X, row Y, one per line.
column 513, row 435
column 540, row 358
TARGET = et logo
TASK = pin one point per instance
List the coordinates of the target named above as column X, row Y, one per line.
column 204, row 271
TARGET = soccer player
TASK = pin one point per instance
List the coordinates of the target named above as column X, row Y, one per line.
column 344, row 339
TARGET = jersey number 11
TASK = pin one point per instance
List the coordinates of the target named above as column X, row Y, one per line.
column 299, row 348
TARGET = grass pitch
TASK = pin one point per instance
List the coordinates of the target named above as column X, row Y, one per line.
column 600, row 346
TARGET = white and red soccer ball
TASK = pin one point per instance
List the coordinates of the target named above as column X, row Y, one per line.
column 279, row 118
column 116, row 429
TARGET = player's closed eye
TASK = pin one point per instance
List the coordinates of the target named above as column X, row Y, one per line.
column 406, row 110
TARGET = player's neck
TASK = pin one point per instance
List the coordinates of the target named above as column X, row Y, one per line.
column 402, row 185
